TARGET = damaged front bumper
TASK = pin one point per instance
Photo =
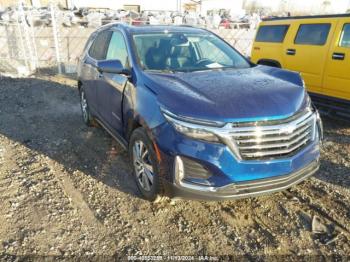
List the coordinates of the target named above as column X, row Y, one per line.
column 242, row 189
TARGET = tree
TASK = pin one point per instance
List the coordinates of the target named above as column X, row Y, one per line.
column 326, row 5
column 283, row 6
column 251, row 6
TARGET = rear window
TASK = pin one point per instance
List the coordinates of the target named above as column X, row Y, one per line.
column 272, row 33
column 312, row 34
column 345, row 38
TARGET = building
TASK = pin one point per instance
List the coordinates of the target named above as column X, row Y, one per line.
column 236, row 7
column 136, row 5
column 202, row 6
column 35, row 3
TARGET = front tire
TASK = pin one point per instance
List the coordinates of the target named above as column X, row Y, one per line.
column 145, row 165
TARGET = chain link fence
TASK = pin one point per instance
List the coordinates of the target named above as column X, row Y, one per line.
column 54, row 48
column 241, row 39
column 17, row 48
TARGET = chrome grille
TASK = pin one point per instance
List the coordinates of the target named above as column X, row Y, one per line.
column 264, row 141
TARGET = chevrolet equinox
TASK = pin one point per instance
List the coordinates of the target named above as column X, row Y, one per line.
column 199, row 120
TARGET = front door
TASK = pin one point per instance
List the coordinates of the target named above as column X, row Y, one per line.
column 337, row 75
column 111, row 87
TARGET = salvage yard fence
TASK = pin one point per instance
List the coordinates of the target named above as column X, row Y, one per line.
column 54, row 48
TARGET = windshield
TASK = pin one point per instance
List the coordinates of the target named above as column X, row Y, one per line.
column 185, row 52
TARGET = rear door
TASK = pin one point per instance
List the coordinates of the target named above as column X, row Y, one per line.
column 337, row 74
column 96, row 52
column 307, row 49
column 111, row 87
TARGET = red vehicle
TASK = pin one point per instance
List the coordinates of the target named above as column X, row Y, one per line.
column 225, row 23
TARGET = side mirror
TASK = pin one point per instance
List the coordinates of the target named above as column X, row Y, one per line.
column 112, row 66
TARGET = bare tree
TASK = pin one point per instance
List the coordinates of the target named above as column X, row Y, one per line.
column 326, row 5
column 251, row 6
column 283, row 7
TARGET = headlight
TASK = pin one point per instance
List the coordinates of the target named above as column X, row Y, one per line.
column 309, row 105
column 319, row 125
column 303, row 81
column 192, row 127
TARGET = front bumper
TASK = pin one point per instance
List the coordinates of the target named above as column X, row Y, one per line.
column 198, row 169
column 243, row 189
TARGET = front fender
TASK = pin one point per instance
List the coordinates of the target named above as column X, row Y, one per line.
column 141, row 108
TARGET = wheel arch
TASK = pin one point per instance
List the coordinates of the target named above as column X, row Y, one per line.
column 80, row 84
column 132, row 124
column 269, row 62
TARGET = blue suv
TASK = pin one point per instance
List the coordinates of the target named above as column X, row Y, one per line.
column 199, row 120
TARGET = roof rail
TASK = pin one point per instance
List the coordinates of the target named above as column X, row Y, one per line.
column 306, row 17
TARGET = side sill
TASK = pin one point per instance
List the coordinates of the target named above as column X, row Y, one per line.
column 117, row 137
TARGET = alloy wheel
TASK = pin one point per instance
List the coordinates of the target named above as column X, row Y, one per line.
column 142, row 165
column 84, row 106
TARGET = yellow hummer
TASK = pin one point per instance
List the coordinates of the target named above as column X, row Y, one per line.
column 316, row 46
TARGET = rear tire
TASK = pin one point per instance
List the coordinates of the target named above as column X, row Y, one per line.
column 87, row 117
column 146, row 167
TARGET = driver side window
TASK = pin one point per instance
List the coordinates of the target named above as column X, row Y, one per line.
column 99, row 46
column 117, row 49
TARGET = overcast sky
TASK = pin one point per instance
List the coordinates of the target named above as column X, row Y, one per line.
column 313, row 6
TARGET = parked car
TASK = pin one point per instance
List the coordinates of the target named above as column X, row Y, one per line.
column 199, row 120
column 316, row 46
column 225, row 23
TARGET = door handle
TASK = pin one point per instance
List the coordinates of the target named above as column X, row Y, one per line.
column 291, row 52
column 338, row 56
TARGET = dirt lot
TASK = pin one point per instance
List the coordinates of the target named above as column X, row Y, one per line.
column 66, row 190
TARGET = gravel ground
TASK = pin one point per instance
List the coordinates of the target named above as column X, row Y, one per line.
column 66, row 191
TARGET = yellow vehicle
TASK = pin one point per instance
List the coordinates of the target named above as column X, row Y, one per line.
column 316, row 46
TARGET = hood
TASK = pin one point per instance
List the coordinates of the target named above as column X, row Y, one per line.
column 253, row 94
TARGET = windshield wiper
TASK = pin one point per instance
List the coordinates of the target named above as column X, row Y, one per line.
column 160, row 71
column 200, row 69
column 212, row 69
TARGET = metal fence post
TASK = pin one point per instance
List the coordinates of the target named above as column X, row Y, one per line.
column 33, row 40
column 25, row 58
column 27, row 38
column 55, row 38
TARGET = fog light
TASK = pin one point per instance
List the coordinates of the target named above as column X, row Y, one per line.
column 194, row 170
column 179, row 170
column 189, row 171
